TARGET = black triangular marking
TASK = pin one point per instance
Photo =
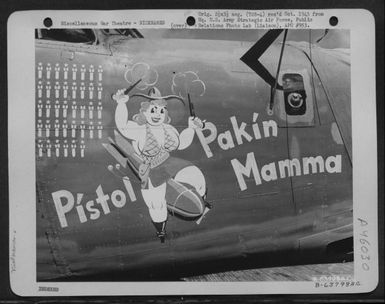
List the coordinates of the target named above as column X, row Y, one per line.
column 251, row 57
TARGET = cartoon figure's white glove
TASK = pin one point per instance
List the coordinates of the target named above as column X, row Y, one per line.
column 120, row 97
column 196, row 123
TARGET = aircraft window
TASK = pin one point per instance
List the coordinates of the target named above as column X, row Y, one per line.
column 67, row 35
column 134, row 33
column 294, row 94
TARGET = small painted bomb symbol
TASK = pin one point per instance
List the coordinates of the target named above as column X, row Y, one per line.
column 74, row 88
column 74, row 108
column 82, row 89
column 91, row 90
column 100, row 73
column 65, row 127
column 40, row 70
column 73, row 129
column 82, row 72
column 73, row 148
column 57, row 108
column 48, row 89
column 48, row 70
column 57, row 89
column 65, row 108
column 74, row 71
column 57, row 128
column 82, row 111
column 65, row 89
column 57, row 148
column 47, row 128
column 39, row 127
column 82, row 148
column 40, row 147
column 91, row 129
column 48, row 146
column 100, row 130
column 91, row 110
column 82, row 128
column 40, row 89
column 48, row 109
column 57, row 71
column 65, row 148
column 100, row 91
column 91, row 71
column 99, row 109
column 39, row 108
column 65, row 70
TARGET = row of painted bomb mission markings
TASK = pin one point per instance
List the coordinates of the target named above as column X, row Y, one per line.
column 85, row 91
column 62, row 109
column 76, row 111
column 60, row 148
column 59, row 135
column 67, row 81
column 65, row 130
column 69, row 71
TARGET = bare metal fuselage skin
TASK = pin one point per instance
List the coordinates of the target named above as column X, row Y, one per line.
column 292, row 213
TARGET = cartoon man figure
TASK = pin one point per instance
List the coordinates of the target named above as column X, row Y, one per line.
column 153, row 139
